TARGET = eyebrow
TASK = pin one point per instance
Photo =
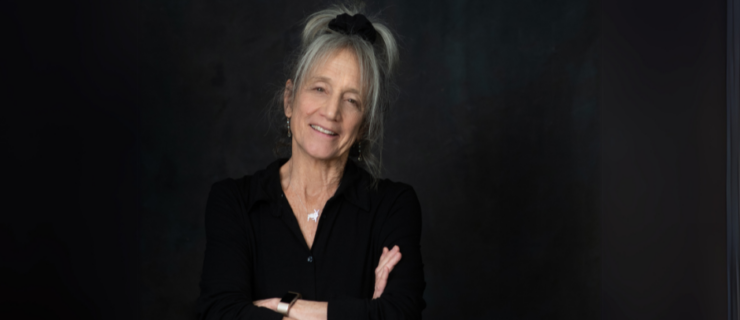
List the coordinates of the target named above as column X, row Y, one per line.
column 328, row 80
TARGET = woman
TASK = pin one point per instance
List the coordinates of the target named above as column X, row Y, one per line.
column 315, row 236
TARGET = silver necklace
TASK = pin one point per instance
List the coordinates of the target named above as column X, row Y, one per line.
column 314, row 215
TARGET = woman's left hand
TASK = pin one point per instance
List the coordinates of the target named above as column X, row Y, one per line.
column 388, row 260
column 271, row 304
column 302, row 309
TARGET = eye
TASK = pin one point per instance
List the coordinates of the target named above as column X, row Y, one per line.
column 319, row 89
column 354, row 102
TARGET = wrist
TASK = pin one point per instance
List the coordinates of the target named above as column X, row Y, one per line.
column 285, row 305
column 295, row 310
column 308, row 310
column 300, row 309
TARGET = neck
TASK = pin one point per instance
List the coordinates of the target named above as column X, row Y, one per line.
column 312, row 177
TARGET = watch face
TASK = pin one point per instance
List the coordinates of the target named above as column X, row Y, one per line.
column 288, row 297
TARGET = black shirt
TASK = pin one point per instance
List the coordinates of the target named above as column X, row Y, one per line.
column 255, row 249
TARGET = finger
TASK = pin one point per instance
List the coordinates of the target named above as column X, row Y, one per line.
column 393, row 261
column 383, row 258
column 388, row 254
column 383, row 271
column 382, row 277
column 392, row 255
column 384, row 254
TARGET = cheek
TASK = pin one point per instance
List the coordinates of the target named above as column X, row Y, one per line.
column 353, row 123
column 313, row 100
column 304, row 104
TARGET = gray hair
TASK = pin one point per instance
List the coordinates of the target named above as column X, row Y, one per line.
column 377, row 63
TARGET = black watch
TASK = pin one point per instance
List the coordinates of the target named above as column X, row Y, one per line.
column 287, row 301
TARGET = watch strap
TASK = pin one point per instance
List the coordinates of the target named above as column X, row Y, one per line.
column 287, row 301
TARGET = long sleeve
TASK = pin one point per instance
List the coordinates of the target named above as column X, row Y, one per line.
column 226, row 281
column 403, row 294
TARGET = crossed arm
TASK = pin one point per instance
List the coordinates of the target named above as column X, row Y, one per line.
column 226, row 290
column 317, row 310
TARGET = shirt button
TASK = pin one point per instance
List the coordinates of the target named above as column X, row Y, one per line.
column 310, row 258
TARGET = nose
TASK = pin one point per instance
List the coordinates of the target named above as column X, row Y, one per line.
column 331, row 109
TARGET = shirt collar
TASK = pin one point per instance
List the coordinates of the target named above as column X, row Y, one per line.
column 354, row 185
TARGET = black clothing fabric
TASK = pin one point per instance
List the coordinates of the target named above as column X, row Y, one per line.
column 255, row 249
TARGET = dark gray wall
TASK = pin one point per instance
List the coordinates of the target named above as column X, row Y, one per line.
column 664, row 160
column 119, row 116
column 496, row 127
column 116, row 118
column 69, row 232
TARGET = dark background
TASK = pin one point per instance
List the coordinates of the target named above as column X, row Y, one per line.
column 664, row 160
column 568, row 155
column 496, row 127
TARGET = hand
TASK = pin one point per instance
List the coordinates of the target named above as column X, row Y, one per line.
column 268, row 303
column 388, row 260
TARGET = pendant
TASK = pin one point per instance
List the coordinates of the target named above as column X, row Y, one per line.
column 314, row 216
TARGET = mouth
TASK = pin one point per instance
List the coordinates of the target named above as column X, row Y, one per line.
column 322, row 130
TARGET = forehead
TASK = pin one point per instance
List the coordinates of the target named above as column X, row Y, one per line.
column 339, row 67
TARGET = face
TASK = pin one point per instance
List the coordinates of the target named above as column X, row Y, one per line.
column 326, row 111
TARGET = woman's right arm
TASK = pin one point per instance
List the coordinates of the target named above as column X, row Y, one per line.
column 226, row 281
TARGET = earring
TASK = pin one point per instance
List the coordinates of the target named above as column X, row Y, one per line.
column 288, row 127
column 359, row 151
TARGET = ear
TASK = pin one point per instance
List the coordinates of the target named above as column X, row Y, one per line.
column 287, row 98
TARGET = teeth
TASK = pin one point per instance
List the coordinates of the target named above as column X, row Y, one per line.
column 320, row 129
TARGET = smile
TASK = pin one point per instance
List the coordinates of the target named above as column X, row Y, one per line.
column 322, row 130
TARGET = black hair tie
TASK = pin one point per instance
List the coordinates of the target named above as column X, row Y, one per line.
column 356, row 24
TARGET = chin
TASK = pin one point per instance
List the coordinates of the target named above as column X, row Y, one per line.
column 323, row 154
